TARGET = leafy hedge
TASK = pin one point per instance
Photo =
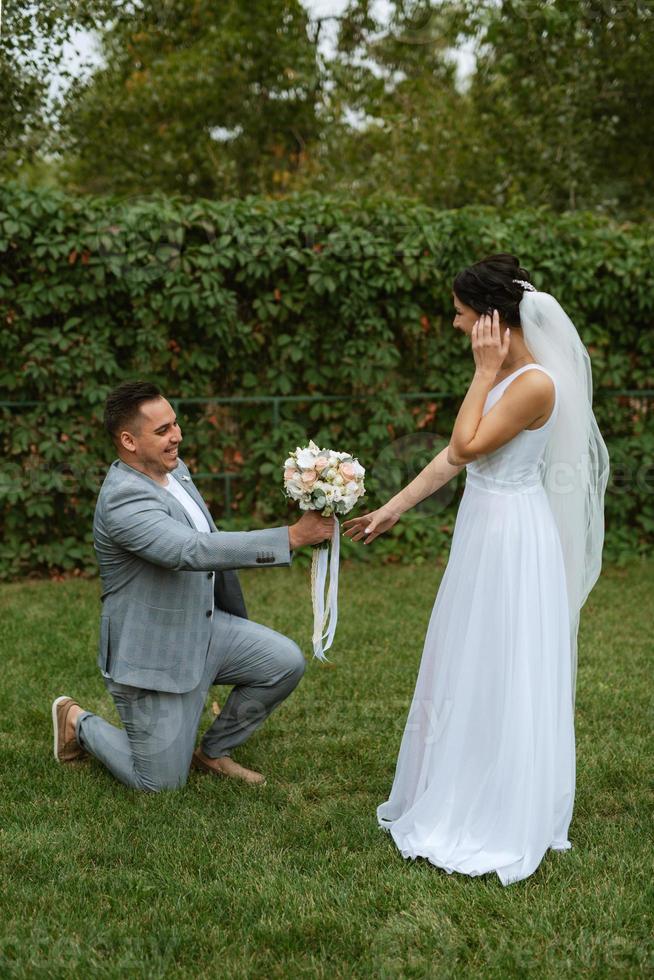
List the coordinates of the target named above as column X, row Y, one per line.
column 304, row 297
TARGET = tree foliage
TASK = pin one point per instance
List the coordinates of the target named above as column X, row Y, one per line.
column 32, row 50
column 575, row 84
column 197, row 98
column 555, row 107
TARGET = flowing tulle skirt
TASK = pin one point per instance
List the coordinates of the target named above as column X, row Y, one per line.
column 486, row 770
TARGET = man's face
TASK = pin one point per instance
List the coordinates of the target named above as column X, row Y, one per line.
column 153, row 443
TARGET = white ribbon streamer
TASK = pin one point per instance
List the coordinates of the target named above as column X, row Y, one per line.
column 325, row 616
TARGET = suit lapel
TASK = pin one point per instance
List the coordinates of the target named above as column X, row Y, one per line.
column 180, row 509
column 166, row 497
column 193, row 492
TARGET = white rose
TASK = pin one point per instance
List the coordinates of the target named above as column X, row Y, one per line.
column 359, row 470
column 306, row 458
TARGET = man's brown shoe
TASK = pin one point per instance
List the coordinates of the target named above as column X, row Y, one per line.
column 228, row 768
column 66, row 749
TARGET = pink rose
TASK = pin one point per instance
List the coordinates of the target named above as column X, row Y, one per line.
column 347, row 471
column 321, row 463
column 289, row 473
column 309, row 478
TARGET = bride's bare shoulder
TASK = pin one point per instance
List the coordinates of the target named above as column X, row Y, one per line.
column 534, row 390
column 537, row 379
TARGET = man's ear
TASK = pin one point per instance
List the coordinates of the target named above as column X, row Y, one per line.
column 126, row 442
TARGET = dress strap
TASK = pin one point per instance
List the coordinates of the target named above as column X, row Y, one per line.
column 525, row 367
column 519, row 371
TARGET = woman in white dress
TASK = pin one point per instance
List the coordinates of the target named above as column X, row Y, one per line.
column 485, row 776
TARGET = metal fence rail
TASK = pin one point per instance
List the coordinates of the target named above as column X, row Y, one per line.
column 275, row 401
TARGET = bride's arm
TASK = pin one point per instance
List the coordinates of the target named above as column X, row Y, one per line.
column 435, row 475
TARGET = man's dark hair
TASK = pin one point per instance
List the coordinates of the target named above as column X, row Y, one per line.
column 124, row 402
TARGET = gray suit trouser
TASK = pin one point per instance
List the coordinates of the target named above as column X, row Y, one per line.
column 154, row 748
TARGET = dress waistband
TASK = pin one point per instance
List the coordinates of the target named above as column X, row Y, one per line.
column 482, row 482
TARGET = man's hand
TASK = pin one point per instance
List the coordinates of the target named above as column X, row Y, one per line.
column 312, row 528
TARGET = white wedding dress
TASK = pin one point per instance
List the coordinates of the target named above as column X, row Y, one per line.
column 486, row 771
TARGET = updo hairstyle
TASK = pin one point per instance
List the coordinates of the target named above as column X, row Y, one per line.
column 488, row 285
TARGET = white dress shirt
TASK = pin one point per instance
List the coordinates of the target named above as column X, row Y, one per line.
column 186, row 500
column 194, row 512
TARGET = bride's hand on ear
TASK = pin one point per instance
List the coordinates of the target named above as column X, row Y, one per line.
column 490, row 344
column 370, row 526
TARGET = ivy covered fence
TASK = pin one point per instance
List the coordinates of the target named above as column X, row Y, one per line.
column 270, row 322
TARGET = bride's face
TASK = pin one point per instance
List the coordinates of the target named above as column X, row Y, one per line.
column 464, row 316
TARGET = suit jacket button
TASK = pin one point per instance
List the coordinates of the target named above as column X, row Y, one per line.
column 209, row 611
column 209, row 574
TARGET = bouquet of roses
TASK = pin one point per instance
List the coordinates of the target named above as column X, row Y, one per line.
column 330, row 482
column 321, row 479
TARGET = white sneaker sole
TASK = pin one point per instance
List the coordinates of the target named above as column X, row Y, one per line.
column 55, row 726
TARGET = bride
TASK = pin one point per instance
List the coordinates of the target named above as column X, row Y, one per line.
column 485, row 776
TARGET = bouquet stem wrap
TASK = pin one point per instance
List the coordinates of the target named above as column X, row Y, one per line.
column 325, row 614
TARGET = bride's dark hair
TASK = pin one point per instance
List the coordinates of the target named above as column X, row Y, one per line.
column 488, row 285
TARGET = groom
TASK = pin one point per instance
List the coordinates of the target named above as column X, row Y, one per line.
column 173, row 619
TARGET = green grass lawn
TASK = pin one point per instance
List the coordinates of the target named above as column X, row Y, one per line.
column 295, row 879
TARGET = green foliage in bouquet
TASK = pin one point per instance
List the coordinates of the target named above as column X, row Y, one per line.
column 317, row 316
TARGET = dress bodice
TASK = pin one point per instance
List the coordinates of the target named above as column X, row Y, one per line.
column 518, row 464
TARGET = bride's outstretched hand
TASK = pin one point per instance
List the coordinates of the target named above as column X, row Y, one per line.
column 370, row 526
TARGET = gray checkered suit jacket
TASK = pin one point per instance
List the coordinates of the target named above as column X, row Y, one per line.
column 156, row 579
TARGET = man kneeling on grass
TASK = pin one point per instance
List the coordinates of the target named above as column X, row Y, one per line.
column 173, row 619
